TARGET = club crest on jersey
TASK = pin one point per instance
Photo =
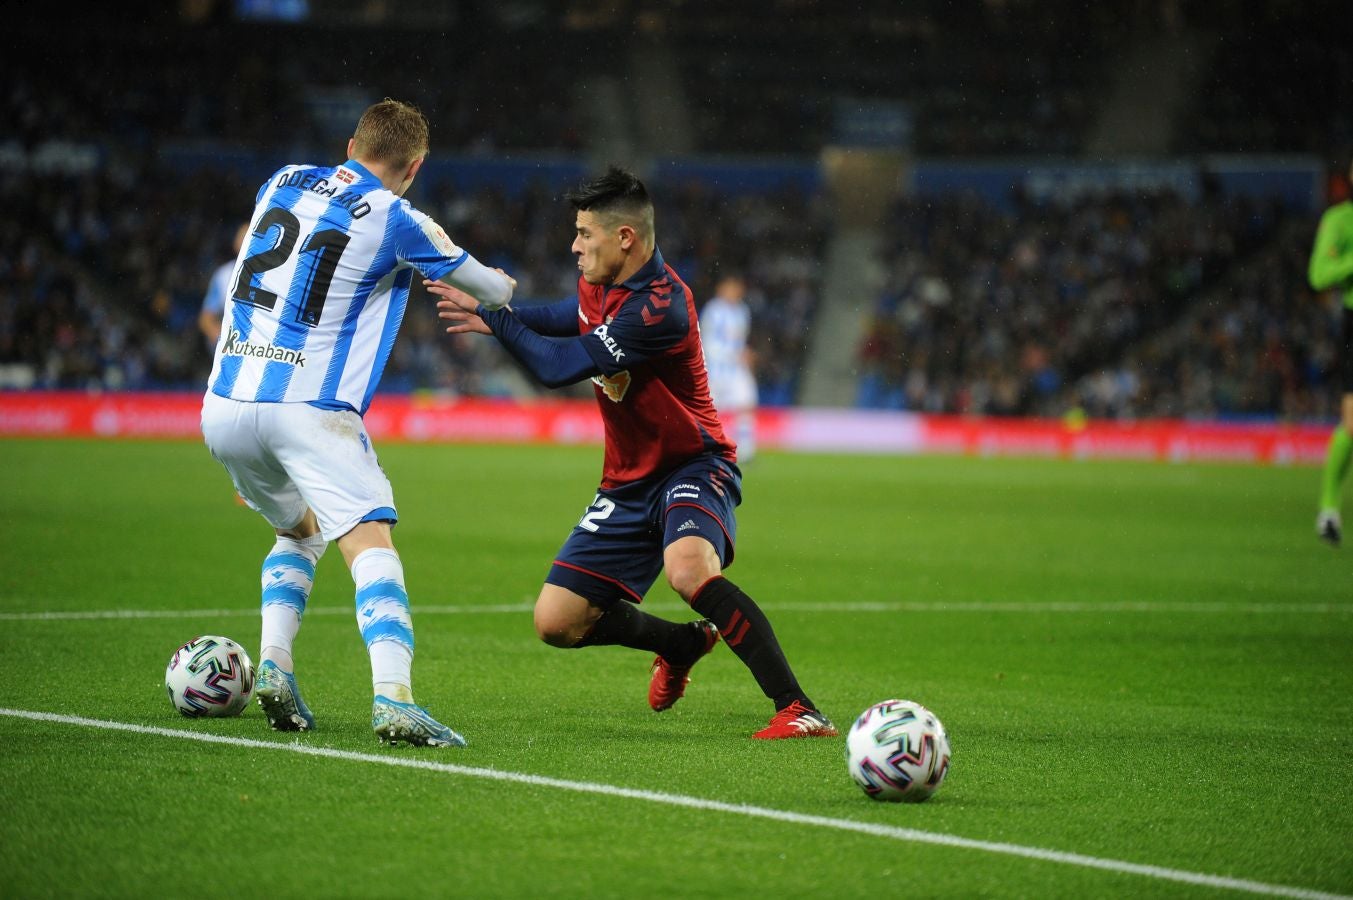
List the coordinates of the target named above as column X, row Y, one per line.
column 614, row 386
column 235, row 347
column 439, row 238
column 602, row 331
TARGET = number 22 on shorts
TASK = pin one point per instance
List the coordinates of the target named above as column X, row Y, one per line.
column 601, row 508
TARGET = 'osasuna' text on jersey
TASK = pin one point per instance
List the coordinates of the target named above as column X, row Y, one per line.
column 320, row 287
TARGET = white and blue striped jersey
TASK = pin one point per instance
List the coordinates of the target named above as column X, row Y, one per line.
column 724, row 326
column 320, row 287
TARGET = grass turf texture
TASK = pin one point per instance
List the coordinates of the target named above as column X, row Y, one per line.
column 1187, row 708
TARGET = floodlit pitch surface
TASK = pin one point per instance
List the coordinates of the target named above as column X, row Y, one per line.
column 1145, row 671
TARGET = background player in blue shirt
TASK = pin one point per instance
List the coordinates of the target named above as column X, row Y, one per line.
column 218, row 288
column 725, row 323
column 670, row 481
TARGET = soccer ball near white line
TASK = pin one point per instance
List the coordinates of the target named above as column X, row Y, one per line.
column 897, row 750
column 210, row 676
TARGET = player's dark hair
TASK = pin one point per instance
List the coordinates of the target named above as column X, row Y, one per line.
column 619, row 197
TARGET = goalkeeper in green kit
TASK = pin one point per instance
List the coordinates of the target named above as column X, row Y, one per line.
column 1332, row 267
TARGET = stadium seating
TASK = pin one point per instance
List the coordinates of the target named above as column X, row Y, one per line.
column 1100, row 304
column 1121, row 306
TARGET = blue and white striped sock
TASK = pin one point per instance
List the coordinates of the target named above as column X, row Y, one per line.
column 288, row 576
column 383, row 618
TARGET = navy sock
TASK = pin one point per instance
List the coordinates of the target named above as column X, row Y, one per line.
column 747, row 632
column 629, row 626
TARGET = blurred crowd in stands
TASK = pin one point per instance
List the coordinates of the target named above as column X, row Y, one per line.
column 102, row 274
column 1116, row 304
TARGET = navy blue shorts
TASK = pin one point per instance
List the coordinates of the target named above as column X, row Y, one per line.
column 615, row 550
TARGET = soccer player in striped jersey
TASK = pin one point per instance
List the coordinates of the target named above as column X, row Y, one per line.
column 1332, row 268
column 316, row 299
column 670, row 479
column 724, row 325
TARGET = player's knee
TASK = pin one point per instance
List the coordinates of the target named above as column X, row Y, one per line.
column 558, row 630
column 687, row 576
column 689, row 563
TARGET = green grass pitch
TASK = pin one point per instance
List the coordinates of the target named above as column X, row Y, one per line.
column 1143, row 664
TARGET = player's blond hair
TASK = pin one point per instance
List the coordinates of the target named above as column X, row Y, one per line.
column 391, row 132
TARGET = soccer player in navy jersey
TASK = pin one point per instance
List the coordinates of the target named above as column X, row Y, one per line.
column 670, row 480
column 312, row 308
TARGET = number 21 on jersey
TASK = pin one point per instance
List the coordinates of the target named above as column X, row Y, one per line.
column 328, row 244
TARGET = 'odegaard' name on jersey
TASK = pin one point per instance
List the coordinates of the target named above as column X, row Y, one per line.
column 235, row 347
column 307, row 181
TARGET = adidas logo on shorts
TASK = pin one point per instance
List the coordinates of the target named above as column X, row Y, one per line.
column 688, row 525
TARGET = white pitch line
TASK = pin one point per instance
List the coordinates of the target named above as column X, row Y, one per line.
column 901, row 606
column 891, row 832
column 243, row 611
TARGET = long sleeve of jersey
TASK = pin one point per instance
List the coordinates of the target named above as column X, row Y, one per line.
column 631, row 338
column 553, row 319
column 1332, row 256
column 479, row 281
column 554, row 361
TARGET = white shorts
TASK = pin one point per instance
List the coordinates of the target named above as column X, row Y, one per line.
column 288, row 457
column 733, row 390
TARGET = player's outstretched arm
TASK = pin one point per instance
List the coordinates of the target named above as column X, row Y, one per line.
column 553, row 361
column 491, row 287
column 458, row 308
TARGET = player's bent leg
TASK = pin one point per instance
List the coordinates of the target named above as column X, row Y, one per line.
column 287, row 578
column 689, row 562
column 565, row 618
column 562, row 618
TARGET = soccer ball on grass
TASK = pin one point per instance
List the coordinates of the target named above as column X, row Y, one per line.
column 210, row 676
column 897, row 750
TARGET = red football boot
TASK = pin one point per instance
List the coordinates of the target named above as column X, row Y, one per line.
column 668, row 683
column 796, row 721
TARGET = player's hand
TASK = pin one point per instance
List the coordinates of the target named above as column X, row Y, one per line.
column 458, row 308
column 508, row 277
